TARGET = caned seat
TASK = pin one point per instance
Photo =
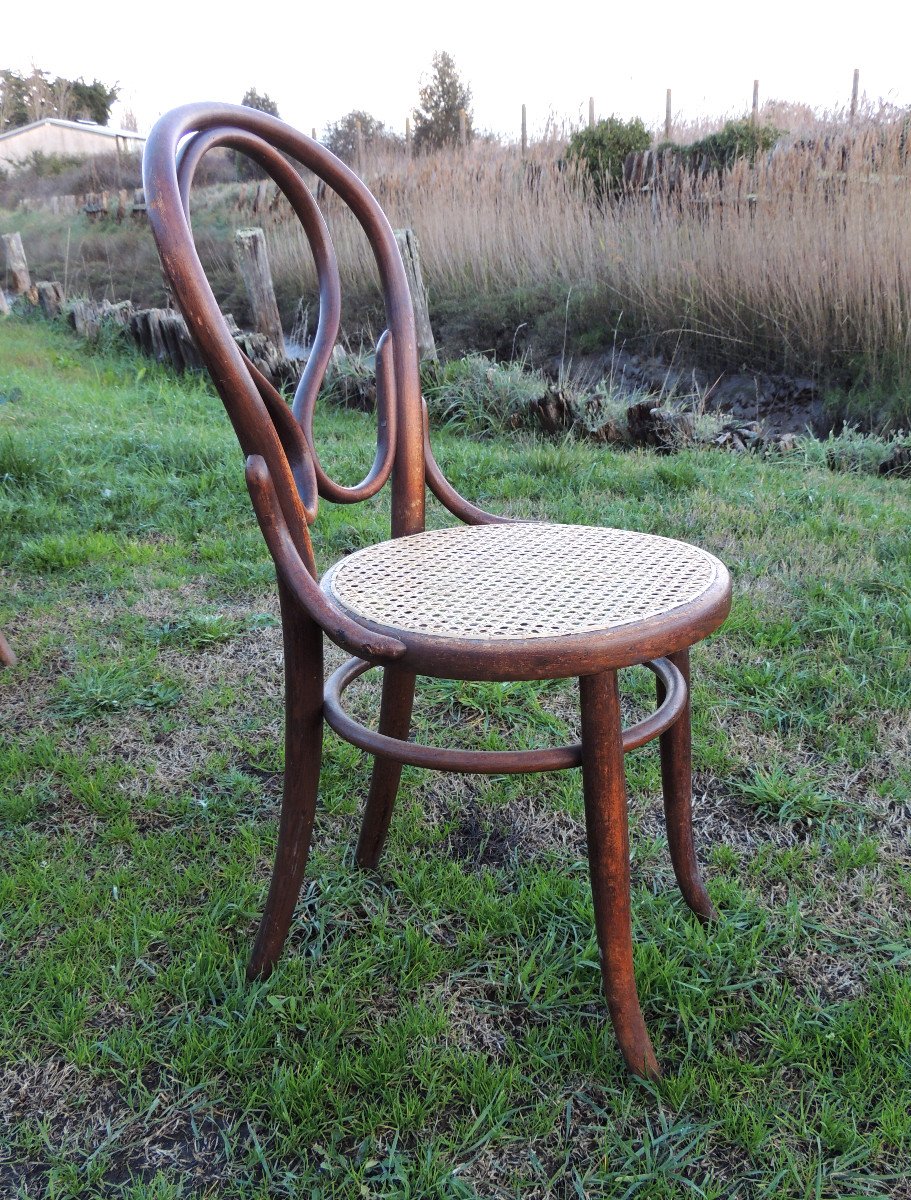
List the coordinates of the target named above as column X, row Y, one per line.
column 567, row 592
column 493, row 599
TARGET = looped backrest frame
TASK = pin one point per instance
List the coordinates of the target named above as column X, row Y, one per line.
column 264, row 424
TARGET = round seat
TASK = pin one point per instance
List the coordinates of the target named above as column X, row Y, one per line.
column 526, row 600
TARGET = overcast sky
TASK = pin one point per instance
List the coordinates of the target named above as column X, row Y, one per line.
column 319, row 60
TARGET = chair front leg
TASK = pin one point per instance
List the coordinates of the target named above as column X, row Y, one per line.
column 395, row 722
column 303, row 645
column 677, row 786
column 607, row 828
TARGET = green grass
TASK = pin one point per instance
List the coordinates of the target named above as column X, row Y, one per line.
column 435, row 1029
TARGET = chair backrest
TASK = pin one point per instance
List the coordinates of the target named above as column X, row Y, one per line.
column 266, row 427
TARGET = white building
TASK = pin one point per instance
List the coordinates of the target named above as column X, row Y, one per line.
column 71, row 139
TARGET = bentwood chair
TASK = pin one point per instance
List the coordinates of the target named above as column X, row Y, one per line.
column 489, row 599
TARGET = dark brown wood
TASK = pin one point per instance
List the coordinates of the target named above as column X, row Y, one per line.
column 7, row 657
column 563, row 657
column 286, row 482
column 677, row 784
column 393, row 747
column 395, row 718
column 293, row 564
column 606, row 825
column 303, row 642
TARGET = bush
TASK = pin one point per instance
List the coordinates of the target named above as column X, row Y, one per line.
column 602, row 150
column 341, row 137
column 738, row 139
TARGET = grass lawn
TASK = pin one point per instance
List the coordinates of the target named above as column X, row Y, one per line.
column 436, row 1029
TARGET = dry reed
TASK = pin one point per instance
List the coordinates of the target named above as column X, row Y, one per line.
column 801, row 262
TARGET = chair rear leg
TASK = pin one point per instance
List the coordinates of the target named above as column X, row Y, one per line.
column 395, row 721
column 303, row 644
column 677, row 784
column 607, row 828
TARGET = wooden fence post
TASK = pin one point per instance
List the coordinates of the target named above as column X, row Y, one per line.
column 591, row 112
column 407, row 242
column 408, row 136
column 855, row 87
column 524, row 133
column 755, row 115
column 667, row 117
column 463, row 127
column 16, row 262
column 359, row 131
column 253, row 261
column 50, row 297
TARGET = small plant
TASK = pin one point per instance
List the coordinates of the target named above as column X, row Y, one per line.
column 603, row 148
column 783, row 795
column 484, row 396
column 94, row 690
column 196, row 630
column 852, row 451
column 66, row 551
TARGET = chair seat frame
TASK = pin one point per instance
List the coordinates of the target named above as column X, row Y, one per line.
column 286, row 480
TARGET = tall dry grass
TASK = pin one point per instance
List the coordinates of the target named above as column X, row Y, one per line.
column 801, row 262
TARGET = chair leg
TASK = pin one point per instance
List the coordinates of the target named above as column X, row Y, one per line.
column 676, row 778
column 606, row 822
column 303, row 644
column 7, row 658
column 395, row 720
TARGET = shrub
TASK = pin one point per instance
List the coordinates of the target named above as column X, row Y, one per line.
column 344, row 138
column 738, row 139
column 602, row 150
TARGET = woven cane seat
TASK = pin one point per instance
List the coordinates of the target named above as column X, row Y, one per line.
column 501, row 583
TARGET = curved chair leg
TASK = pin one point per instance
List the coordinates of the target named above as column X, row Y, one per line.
column 676, row 778
column 303, row 643
column 7, row 658
column 395, row 720
column 606, row 822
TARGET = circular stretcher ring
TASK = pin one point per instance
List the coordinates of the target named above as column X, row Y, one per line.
column 493, row 762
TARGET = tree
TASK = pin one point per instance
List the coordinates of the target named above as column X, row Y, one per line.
column 441, row 99
column 13, row 100
column 36, row 96
column 93, row 100
column 341, row 137
column 264, row 102
column 245, row 167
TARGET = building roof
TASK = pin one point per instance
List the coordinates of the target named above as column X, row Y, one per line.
column 84, row 126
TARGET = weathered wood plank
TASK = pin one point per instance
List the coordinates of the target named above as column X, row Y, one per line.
column 253, row 261
column 16, row 263
column 409, row 248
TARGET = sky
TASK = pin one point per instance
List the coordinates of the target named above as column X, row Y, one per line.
column 319, row 61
